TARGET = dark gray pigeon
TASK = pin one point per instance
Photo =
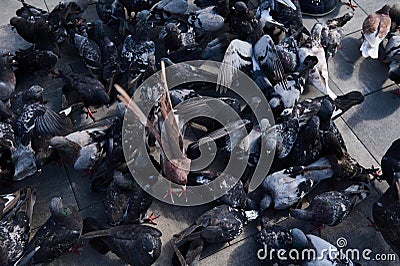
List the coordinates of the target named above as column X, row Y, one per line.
column 58, row 235
column 331, row 207
column 135, row 244
column 15, row 223
column 218, row 225
column 126, row 202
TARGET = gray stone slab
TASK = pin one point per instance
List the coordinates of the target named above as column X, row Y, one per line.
column 80, row 182
column 10, row 40
column 350, row 71
column 354, row 145
column 241, row 253
column 375, row 122
column 354, row 24
column 372, row 6
column 53, row 3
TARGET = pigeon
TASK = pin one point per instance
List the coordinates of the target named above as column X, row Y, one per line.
column 274, row 238
column 137, row 49
column 331, row 207
column 7, row 81
column 242, row 21
column 126, row 202
column 374, row 29
column 218, row 225
column 84, row 89
column 38, row 120
column 57, row 235
column 109, row 51
column 394, row 14
column 386, row 214
column 174, row 39
column 332, row 34
column 15, row 224
column 31, row 60
column 390, row 162
column 104, row 10
column 7, row 148
column 209, row 19
column 82, row 148
column 319, row 257
column 236, row 197
column 215, row 49
column 137, row 5
column 241, row 55
column 393, row 57
column 136, row 244
column 22, row 99
column 89, row 51
column 286, row 187
column 318, row 75
column 24, row 161
column 7, row 138
column 267, row 7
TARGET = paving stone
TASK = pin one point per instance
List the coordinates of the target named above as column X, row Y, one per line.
column 80, row 183
column 241, row 253
column 375, row 122
column 355, row 24
column 372, row 6
column 10, row 40
column 350, row 71
column 354, row 146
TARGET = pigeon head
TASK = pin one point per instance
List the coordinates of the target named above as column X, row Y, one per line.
column 35, row 92
column 124, row 181
column 300, row 240
column 57, row 207
column 15, row 21
column 149, row 244
column 169, row 28
column 240, row 7
column 384, row 10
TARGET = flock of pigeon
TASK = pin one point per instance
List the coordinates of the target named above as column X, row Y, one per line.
column 268, row 43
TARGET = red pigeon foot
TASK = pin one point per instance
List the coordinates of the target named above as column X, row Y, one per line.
column 151, row 219
column 89, row 113
column 372, row 224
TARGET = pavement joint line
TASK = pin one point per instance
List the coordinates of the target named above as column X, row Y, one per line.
column 92, row 205
column 379, row 90
column 376, row 160
column 359, row 6
column 70, row 184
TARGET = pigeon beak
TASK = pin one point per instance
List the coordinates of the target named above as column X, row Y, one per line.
column 287, row 3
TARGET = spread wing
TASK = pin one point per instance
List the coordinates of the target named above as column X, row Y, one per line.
column 238, row 56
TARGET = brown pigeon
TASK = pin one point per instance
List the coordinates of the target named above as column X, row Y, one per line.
column 374, row 29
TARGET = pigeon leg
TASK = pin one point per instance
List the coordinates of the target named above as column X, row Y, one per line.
column 89, row 113
column 319, row 229
column 184, row 192
column 396, row 92
column 377, row 173
column 75, row 249
column 170, row 193
column 372, row 224
column 351, row 5
column 151, row 219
